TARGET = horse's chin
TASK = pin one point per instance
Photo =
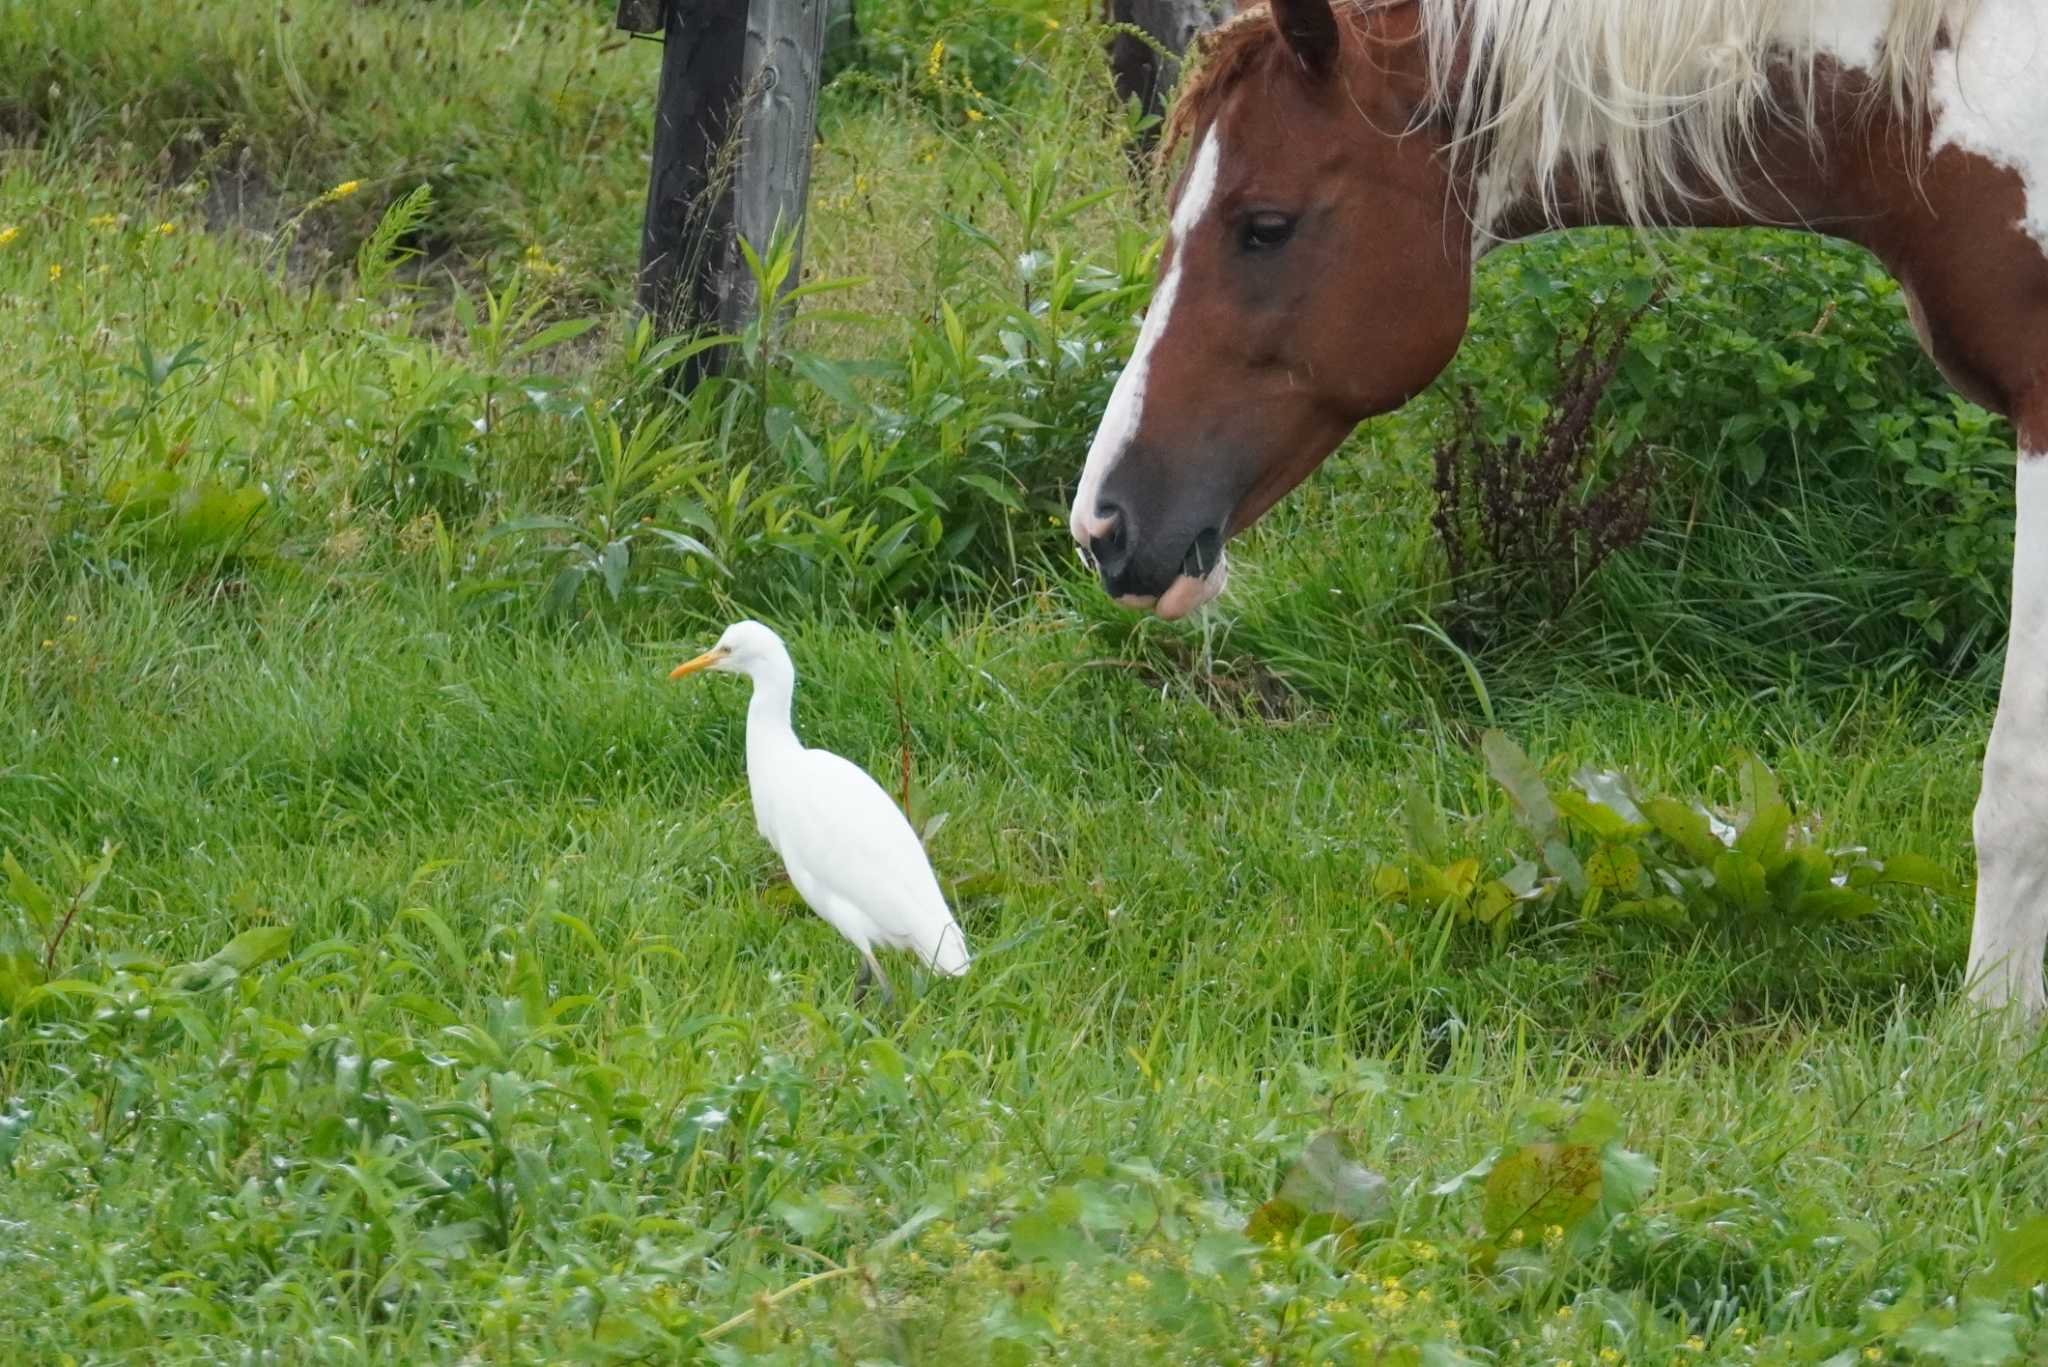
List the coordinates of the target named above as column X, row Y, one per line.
column 1186, row 594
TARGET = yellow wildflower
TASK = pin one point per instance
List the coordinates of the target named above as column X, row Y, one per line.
column 56, row 273
column 1051, row 23
column 1553, row 1236
column 1738, row 1333
column 166, row 228
column 1610, row 1355
column 537, row 261
column 1873, row 1354
column 937, row 58
column 102, row 220
column 1564, row 1312
column 975, row 116
column 8, row 234
column 345, row 189
column 1515, row 1237
column 1695, row 1344
column 1137, row 1281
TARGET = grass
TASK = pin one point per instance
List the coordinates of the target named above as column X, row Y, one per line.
column 438, row 1001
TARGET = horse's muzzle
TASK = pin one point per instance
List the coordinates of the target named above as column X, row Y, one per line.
column 1147, row 572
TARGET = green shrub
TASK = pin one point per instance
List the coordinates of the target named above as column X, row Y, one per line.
column 1608, row 856
column 1824, row 492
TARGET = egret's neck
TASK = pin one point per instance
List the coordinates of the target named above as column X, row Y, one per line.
column 768, row 724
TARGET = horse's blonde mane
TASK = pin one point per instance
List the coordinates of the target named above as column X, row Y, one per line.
column 1658, row 100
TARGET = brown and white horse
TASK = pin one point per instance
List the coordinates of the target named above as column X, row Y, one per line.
column 1351, row 161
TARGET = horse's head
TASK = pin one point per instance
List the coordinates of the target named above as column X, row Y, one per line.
column 1315, row 274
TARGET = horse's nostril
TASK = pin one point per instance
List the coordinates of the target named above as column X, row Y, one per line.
column 1110, row 545
column 1204, row 555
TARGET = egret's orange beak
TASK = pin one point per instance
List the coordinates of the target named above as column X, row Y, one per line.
column 704, row 661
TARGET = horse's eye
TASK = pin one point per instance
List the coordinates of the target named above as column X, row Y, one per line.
column 1265, row 231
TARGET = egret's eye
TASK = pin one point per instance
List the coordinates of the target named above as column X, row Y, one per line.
column 1267, row 230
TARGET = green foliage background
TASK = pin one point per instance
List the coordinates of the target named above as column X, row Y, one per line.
column 388, row 966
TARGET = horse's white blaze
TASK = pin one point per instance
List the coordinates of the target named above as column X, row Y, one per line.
column 1991, row 94
column 2011, row 930
column 1127, row 400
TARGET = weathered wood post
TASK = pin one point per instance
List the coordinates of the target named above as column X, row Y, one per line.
column 733, row 125
column 1143, row 72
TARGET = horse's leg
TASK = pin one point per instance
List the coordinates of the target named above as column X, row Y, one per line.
column 2011, row 930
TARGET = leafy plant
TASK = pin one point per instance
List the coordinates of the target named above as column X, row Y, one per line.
column 1523, row 525
column 1605, row 855
column 1821, row 490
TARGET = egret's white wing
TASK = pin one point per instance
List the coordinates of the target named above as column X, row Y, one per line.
column 853, row 842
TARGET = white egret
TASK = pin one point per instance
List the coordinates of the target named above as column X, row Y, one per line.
column 848, row 847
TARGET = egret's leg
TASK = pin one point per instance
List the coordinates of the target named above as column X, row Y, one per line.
column 872, row 971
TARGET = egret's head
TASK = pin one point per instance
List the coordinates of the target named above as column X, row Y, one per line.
column 745, row 648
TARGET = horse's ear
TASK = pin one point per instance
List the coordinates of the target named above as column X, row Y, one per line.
column 1311, row 32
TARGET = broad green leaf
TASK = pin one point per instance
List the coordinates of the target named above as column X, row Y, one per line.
column 1518, row 774
column 2019, row 1258
column 1559, row 859
column 1594, row 1124
column 1602, row 822
column 806, row 1215
column 1915, row 871
column 1493, row 901
column 1739, row 879
column 1626, row 1178
column 20, row 973
column 253, row 948
column 1805, row 869
column 1051, row 1233
column 1983, row 1336
column 38, row 904
column 1611, row 790
column 1224, row 1253
column 1684, row 827
column 1763, row 838
column 1832, row 904
column 554, row 335
column 1325, row 1180
column 1425, row 822
column 618, row 557
column 1614, row 868
column 1478, row 1172
column 444, row 938
column 1540, row 1186
column 1668, row 911
column 1276, row 1219
column 1759, row 789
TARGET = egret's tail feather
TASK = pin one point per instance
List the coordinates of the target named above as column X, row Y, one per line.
column 951, row 957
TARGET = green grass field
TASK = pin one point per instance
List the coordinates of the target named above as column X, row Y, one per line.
column 389, row 967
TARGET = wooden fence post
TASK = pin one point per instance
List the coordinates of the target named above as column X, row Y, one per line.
column 734, row 121
column 1142, row 73
column 785, row 54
